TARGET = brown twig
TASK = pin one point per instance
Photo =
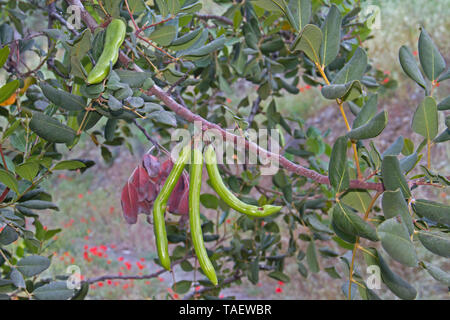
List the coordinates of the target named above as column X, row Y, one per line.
column 135, row 277
column 146, row 134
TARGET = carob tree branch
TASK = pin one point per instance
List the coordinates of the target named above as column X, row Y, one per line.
column 147, row 135
column 191, row 117
column 135, row 277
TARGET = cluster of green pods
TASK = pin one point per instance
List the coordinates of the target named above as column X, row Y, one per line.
column 196, row 168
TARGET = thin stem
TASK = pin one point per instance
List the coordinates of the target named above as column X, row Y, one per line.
column 157, row 48
column 341, row 109
column 5, row 258
column 428, row 154
column 356, row 246
column 131, row 15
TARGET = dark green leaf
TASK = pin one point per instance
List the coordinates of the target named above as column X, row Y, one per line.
column 395, row 148
column 8, row 235
column 410, row 66
column 51, row 129
column 435, row 211
column 367, row 112
column 28, row 170
column 182, row 287
column 331, row 30
column 299, row 13
column 432, row 62
column 425, row 120
column 371, row 129
column 69, row 165
column 393, row 178
column 56, row 290
column 436, row 242
column 39, row 205
column 351, row 223
column 394, row 204
column 32, row 265
column 354, row 69
column 82, row 292
column 164, row 35
column 63, row 99
column 311, row 257
column 309, row 41
column 437, row 273
column 133, row 78
column 163, row 117
column 280, row 276
column 214, row 45
column 17, row 278
column 357, row 199
column 394, row 282
column 209, row 201
column 395, row 240
column 338, row 166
